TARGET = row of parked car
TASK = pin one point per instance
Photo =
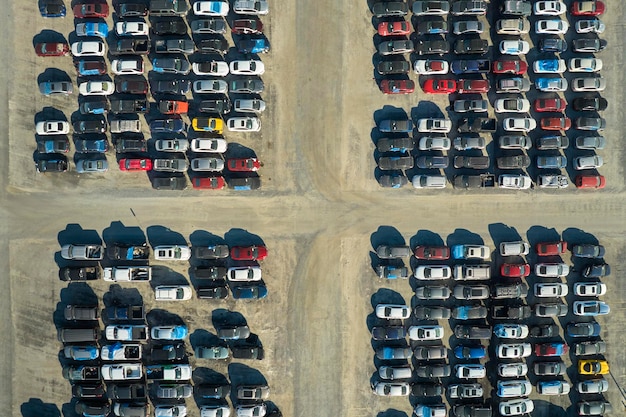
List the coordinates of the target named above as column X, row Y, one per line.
column 132, row 38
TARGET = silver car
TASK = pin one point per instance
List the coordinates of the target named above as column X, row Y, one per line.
column 171, row 145
column 590, row 142
column 249, row 105
column 91, row 165
column 395, row 47
column 432, row 292
column 207, row 164
column 174, row 391
column 393, row 252
column 49, row 88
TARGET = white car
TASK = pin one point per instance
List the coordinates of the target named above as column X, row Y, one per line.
column 512, row 370
column 252, row 7
column 251, row 410
column 244, row 124
column 429, row 181
column 434, row 125
column 214, row 145
column 555, row 387
column 171, row 145
column 549, row 8
column 511, row 331
column 96, row 88
column 172, row 253
column 552, row 26
column 431, row 410
column 552, row 181
column 216, row 68
column 593, row 386
column 244, row 273
column 433, row 272
column 588, row 162
column 122, row 371
column 513, row 350
column 436, row 143
column 249, row 67
column 431, row 66
column 589, row 289
column 127, row 66
column 215, row 411
column 392, row 311
column 514, row 248
column 211, row 8
column 516, row 407
column 129, row 28
column 514, row 47
column 519, row 124
column 511, row 105
column 426, row 332
column 551, row 270
column 551, row 290
column 469, row 371
column 514, row 182
column 210, row 86
column 590, row 26
column 52, row 127
column 584, row 65
column 514, row 388
column 251, row 105
column 589, row 84
column 172, row 292
column 170, row 411
column 88, row 48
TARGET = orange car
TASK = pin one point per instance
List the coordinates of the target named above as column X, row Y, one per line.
column 556, row 123
column 173, row 107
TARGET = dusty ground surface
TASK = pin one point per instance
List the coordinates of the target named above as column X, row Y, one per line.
column 319, row 212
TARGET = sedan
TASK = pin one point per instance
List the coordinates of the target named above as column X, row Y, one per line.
column 514, row 388
column 177, row 332
column 515, row 270
column 56, row 127
column 431, row 313
column 135, row 164
column 514, row 47
column 389, row 9
column 463, row 106
column 588, row 251
column 390, row 389
column 93, row 88
column 519, row 124
column 549, row 66
column 433, row 143
column 470, row 352
column 471, row 46
column 551, row 290
column 90, row 10
column 549, row 8
column 552, row 44
column 464, row 391
column 588, row 162
column 210, row 86
column 251, row 7
column 590, row 123
column 550, row 105
column 432, row 292
column 589, row 84
column 513, row 350
column 88, row 48
column 396, row 125
column 587, row 8
column 511, row 331
column 553, row 27
column 589, row 289
column 251, row 67
column 395, row 47
column 555, row 123
column 432, row 252
column 439, row 86
column 432, row 27
column 434, row 125
column 592, row 386
column 473, row 86
column 584, row 65
column 549, row 368
column 555, row 270
column 551, row 349
column 511, row 105
column 589, row 45
column 516, row 407
column 467, row 26
column 130, row 28
column 210, row 8
column 470, row 292
column 244, row 124
column 392, row 311
column 52, row 49
column 509, row 66
column 431, row 8
column 590, row 308
column 590, row 104
column 590, row 26
column 515, row 142
column 432, row 66
column 397, row 86
column 208, row 124
column 243, row 164
column 590, row 329
column 426, row 332
column 215, row 145
column 171, row 65
column 393, row 67
column 172, row 253
column 551, row 84
column 432, row 162
column 248, row 253
column 172, row 292
column 399, row 28
column 551, row 310
column 433, row 272
column 48, row 88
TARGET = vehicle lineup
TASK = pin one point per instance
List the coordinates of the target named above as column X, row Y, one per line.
column 497, row 324
column 460, row 67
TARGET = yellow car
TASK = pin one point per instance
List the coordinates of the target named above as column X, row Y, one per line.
column 593, row 367
column 208, row 124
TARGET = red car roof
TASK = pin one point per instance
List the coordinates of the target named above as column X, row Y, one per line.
column 590, row 181
column 208, row 183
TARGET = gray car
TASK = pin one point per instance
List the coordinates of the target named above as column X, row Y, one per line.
column 235, row 332
column 463, row 391
column 393, row 67
column 470, row 292
column 513, row 162
column 550, row 368
column 591, row 45
column 513, row 85
column 590, row 123
column 430, row 352
column 463, row 106
column 91, row 165
column 247, row 85
column 590, row 348
column 473, row 162
column 469, row 7
column 551, row 310
column 253, row 392
column 552, row 161
column 211, row 352
column 432, row 162
column 49, row 88
column 552, row 142
column 515, row 142
column 395, row 144
column 431, row 313
column 432, row 47
column 471, row 46
column 395, row 47
column 432, row 292
column 174, row 391
column 433, row 371
column 396, row 161
column 393, row 252
column 171, row 65
column 594, row 408
column 390, row 8
column 388, row 333
column 431, row 8
column 590, row 142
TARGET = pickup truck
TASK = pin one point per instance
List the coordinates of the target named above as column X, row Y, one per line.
column 85, row 273
column 173, row 107
column 139, row 46
column 470, row 66
column 122, row 371
column 127, row 332
column 475, row 181
column 170, row 165
column 126, row 313
column 168, row 372
column 174, row 46
column 82, row 252
column 120, row 352
column 126, row 106
column 124, row 252
column 477, row 124
column 470, row 252
column 127, row 273
column 81, row 373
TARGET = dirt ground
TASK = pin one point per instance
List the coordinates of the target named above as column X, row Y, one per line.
column 319, row 212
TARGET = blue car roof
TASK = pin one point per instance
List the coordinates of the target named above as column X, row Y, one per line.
column 458, row 251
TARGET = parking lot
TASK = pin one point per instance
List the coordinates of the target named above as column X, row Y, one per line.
column 317, row 211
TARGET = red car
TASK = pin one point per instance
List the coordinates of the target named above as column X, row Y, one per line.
column 397, row 86
column 208, row 183
column 590, row 181
column 551, row 349
column 86, row 10
column 551, row 248
column 243, row 164
column 472, row 86
column 248, row 253
column 439, row 86
column 52, row 49
column 432, row 252
column 550, row 104
column 555, row 123
column 515, row 270
column 135, row 164
column 394, row 28
column 509, row 66
column 247, row 27
column 587, row 8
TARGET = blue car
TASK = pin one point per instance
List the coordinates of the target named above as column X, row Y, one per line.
column 254, row 46
column 458, row 252
column 52, row 8
column 81, row 353
column 591, row 308
column 590, row 329
column 91, row 145
column 167, row 126
column 470, row 352
column 249, row 292
column 551, row 84
column 549, row 66
column 99, row 29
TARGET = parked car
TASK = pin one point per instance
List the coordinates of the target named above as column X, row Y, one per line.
column 589, row 84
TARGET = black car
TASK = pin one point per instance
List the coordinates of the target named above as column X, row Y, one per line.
column 388, row 333
column 427, row 27
column 169, row 183
column 395, row 144
column 471, row 46
column 177, row 86
column 89, row 391
column 97, row 144
column 544, row 331
column 393, row 67
column 591, row 45
column 431, row 313
column 248, row 350
column 590, row 104
column 510, row 312
column 94, row 106
column 513, row 162
column 432, row 162
column 394, row 180
column 217, row 45
column 219, row 105
column 217, row 291
column 597, row 271
column 102, row 407
column 168, row 353
column 390, row 8
column 210, row 272
column 426, row 390
column 472, row 410
column 90, row 126
column 131, row 84
column 52, row 8
column 552, row 45
column 473, row 162
column 588, row 251
column 245, row 183
column 433, row 371
column 83, row 273
column 58, row 163
column 434, row 47
column 131, row 9
column 396, row 161
column 130, row 143
column 174, row 26
column 129, row 392
column 217, row 391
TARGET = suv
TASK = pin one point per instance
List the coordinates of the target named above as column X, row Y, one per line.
column 516, row 8
column 472, row 332
column 471, row 46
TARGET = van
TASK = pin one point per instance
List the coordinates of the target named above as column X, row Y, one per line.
column 79, row 335
column 472, row 272
column 81, row 312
